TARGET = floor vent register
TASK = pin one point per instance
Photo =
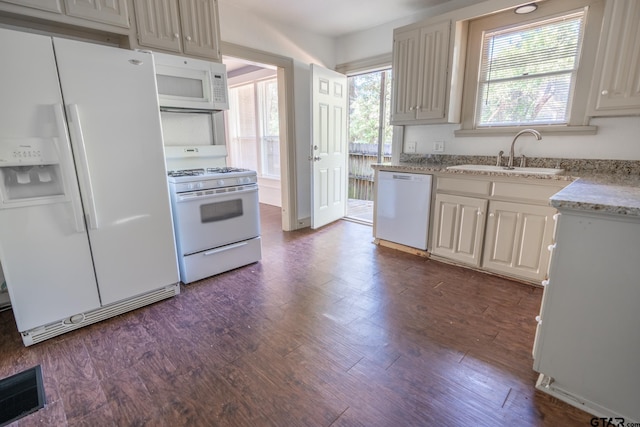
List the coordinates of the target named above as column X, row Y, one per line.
column 20, row 395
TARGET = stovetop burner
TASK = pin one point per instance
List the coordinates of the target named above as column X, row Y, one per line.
column 226, row 170
column 199, row 172
column 186, row 172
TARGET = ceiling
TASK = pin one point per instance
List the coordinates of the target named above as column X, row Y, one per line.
column 349, row 15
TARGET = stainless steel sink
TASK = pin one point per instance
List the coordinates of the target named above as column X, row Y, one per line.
column 502, row 169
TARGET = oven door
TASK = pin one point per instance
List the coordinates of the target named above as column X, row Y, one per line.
column 212, row 218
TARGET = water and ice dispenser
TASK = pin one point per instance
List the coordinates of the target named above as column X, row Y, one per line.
column 29, row 171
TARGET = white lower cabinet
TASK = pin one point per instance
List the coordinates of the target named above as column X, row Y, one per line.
column 516, row 240
column 502, row 226
column 588, row 338
column 459, row 227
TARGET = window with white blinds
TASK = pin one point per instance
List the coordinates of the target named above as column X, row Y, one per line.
column 528, row 73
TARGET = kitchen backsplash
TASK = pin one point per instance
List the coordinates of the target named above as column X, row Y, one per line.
column 623, row 167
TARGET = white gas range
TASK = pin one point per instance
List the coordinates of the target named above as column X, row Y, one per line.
column 216, row 219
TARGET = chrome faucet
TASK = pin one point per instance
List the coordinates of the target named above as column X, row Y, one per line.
column 511, row 153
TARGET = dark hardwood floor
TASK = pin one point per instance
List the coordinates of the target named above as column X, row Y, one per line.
column 327, row 330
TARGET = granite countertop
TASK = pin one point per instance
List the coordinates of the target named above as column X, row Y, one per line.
column 605, row 186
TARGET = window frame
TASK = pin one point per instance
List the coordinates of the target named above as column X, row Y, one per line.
column 578, row 122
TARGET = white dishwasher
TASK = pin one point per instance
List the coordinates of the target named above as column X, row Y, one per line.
column 402, row 208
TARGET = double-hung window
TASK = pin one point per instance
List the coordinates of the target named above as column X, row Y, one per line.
column 528, row 70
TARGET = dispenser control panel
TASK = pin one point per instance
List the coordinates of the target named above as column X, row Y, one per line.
column 27, row 151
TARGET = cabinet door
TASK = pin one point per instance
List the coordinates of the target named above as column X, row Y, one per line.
column 48, row 5
column 405, row 76
column 517, row 239
column 200, row 31
column 420, row 61
column 432, row 71
column 112, row 12
column 158, row 24
column 458, row 228
column 619, row 58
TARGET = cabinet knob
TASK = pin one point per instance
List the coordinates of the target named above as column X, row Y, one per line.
column 545, row 282
column 551, row 247
column 492, row 214
column 479, row 213
column 176, row 35
column 605, row 92
column 188, row 38
column 538, row 319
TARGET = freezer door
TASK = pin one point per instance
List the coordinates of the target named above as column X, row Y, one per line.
column 114, row 123
column 44, row 247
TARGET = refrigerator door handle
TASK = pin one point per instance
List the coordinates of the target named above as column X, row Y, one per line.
column 83, row 171
column 69, row 169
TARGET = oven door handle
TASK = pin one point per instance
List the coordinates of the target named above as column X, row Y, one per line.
column 225, row 248
column 193, row 196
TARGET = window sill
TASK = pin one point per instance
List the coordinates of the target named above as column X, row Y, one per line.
column 543, row 129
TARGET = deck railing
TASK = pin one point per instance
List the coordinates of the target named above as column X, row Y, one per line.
column 361, row 157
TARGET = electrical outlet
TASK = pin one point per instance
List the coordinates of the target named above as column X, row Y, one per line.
column 438, row 146
column 412, row 147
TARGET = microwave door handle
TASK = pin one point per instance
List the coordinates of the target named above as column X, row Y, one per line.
column 66, row 156
column 83, row 170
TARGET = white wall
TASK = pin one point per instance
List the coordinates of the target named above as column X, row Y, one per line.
column 243, row 28
column 616, row 139
column 379, row 40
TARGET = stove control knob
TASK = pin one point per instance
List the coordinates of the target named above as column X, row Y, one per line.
column 190, row 186
column 221, row 182
column 200, row 184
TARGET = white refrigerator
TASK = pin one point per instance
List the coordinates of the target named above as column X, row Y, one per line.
column 85, row 221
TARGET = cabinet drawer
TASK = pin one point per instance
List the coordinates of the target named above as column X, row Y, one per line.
column 514, row 190
column 467, row 186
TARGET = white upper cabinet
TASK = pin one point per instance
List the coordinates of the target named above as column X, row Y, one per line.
column 616, row 88
column 48, row 5
column 158, row 24
column 113, row 12
column 420, row 74
column 179, row 26
column 104, row 15
column 200, row 27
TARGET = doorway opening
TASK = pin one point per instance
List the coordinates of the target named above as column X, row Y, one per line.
column 370, row 135
column 253, row 125
column 236, row 57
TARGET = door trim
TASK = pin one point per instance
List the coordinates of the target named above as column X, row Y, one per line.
column 288, row 176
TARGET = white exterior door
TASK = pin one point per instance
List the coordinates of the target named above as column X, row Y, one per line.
column 328, row 146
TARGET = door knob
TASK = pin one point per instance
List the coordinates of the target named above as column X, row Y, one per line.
column 316, row 159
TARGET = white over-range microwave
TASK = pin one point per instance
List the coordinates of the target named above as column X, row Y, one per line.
column 191, row 84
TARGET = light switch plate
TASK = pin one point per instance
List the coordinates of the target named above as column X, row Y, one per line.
column 412, row 147
column 438, row 146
